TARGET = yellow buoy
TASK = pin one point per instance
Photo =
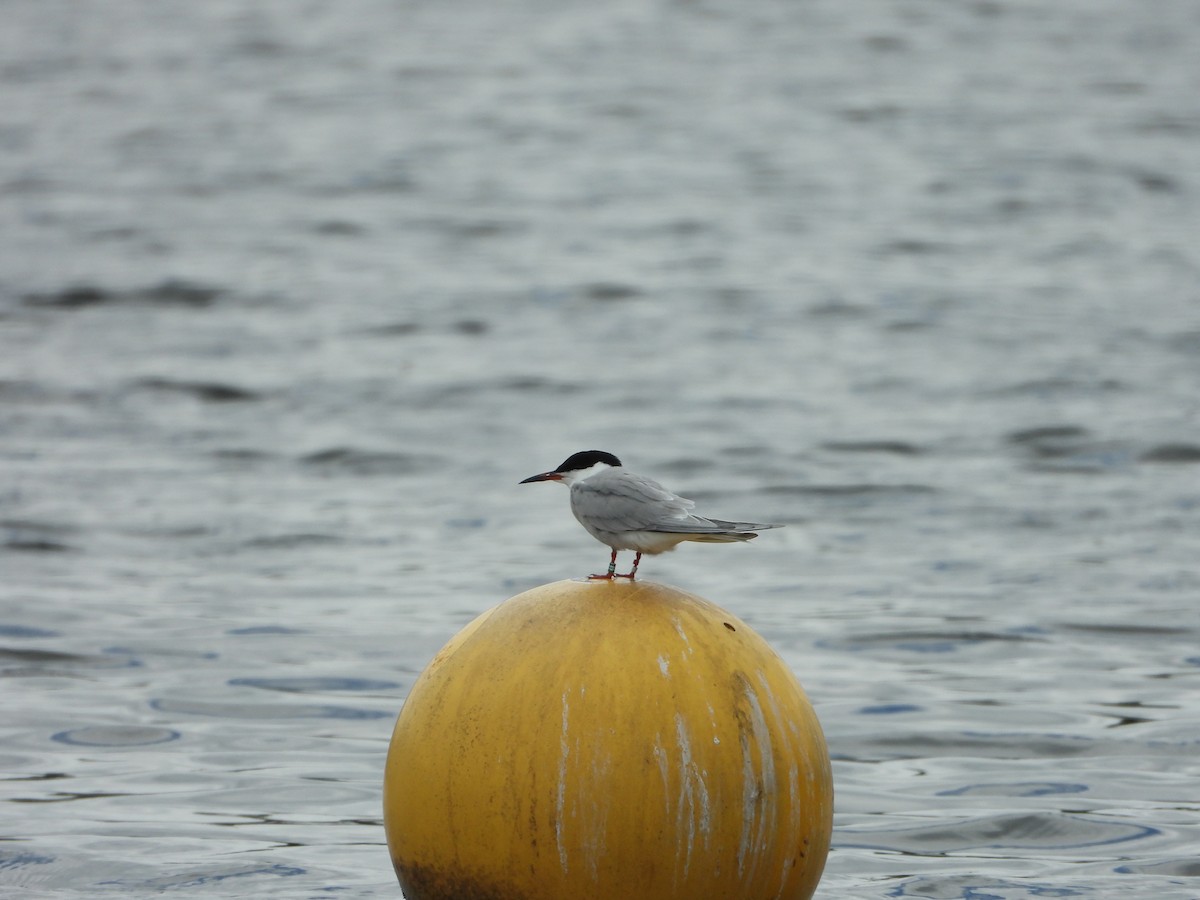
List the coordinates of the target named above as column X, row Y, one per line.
column 591, row 740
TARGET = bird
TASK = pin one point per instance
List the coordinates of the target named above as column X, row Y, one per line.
column 632, row 512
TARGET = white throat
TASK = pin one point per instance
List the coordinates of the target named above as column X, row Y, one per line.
column 569, row 478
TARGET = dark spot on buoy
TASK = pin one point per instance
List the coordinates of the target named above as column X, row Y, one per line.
column 730, row 627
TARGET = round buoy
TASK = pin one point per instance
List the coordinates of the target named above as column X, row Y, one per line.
column 592, row 740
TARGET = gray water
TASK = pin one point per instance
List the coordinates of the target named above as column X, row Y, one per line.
column 292, row 294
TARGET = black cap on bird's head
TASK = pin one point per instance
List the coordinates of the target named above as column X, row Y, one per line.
column 576, row 462
column 585, row 459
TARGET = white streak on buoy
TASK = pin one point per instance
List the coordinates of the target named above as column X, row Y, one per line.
column 595, row 816
column 747, row 803
column 682, row 635
column 789, row 732
column 693, row 811
column 660, row 757
column 561, row 798
column 758, row 817
column 712, row 717
column 686, row 804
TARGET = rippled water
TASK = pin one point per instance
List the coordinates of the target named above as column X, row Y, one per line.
column 292, row 295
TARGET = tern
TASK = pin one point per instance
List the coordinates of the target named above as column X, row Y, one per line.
column 633, row 512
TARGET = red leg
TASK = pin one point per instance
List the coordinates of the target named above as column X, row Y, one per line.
column 632, row 573
column 612, row 568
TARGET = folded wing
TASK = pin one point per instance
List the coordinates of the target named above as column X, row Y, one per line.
column 619, row 501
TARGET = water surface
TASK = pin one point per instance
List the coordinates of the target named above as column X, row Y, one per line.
column 291, row 297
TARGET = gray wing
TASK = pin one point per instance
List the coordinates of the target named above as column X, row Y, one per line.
column 701, row 525
column 616, row 500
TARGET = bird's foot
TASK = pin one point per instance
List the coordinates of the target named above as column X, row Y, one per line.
column 630, row 575
column 612, row 568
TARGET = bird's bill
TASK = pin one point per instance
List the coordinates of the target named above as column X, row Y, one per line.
column 545, row 476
